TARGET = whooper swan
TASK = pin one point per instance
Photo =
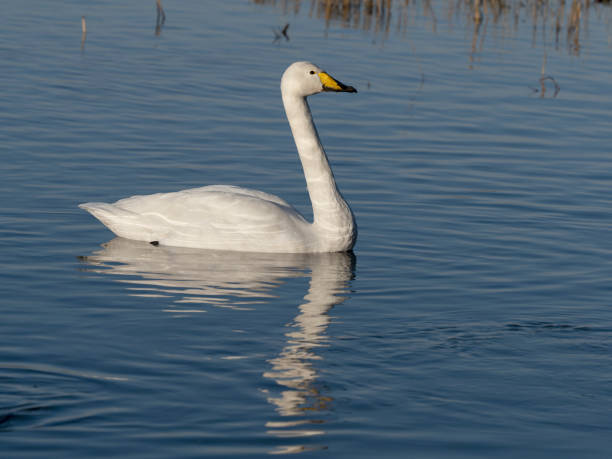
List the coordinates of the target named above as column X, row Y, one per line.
column 232, row 218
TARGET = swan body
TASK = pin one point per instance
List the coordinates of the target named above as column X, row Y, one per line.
column 226, row 217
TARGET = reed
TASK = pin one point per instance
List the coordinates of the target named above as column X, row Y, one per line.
column 83, row 32
column 281, row 33
column 549, row 18
column 161, row 17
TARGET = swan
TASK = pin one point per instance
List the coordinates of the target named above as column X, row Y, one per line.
column 224, row 217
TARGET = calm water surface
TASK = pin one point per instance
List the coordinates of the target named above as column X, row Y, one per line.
column 474, row 318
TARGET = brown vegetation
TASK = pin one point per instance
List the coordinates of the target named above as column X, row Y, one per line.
column 550, row 19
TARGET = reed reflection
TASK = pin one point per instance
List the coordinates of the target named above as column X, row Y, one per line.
column 238, row 280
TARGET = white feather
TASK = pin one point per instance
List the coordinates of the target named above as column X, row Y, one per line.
column 233, row 218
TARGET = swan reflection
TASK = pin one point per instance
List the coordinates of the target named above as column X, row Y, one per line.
column 293, row 369
column 240, row 280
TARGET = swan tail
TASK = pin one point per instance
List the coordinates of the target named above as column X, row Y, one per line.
column 123, row 223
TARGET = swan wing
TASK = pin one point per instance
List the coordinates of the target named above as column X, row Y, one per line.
column 202, row 195
column 225, row 217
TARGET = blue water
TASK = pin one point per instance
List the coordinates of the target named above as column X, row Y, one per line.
column 474, row 318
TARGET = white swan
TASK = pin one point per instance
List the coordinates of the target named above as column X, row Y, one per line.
column 232, row 218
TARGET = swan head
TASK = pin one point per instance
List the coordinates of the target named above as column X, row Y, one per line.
column 305, row 79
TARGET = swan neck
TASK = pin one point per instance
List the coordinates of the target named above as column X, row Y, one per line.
column 330, row 210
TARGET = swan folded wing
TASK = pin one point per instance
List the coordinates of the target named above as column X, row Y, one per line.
column 209, row 217
column 195, row 196
column 122, row 222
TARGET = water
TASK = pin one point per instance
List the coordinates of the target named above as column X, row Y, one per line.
column 473, row 319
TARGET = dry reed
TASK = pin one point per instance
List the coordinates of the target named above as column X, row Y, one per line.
column 83, row 32
column 548, row 17
column 161, row 17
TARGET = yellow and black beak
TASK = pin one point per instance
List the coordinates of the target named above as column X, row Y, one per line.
column 331, row 84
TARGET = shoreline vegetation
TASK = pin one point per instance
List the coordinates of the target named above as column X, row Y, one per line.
column 553, row 22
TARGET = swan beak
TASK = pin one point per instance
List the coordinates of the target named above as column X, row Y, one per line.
column 331, row 84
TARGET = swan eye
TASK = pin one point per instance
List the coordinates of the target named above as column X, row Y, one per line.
column 312, row 72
